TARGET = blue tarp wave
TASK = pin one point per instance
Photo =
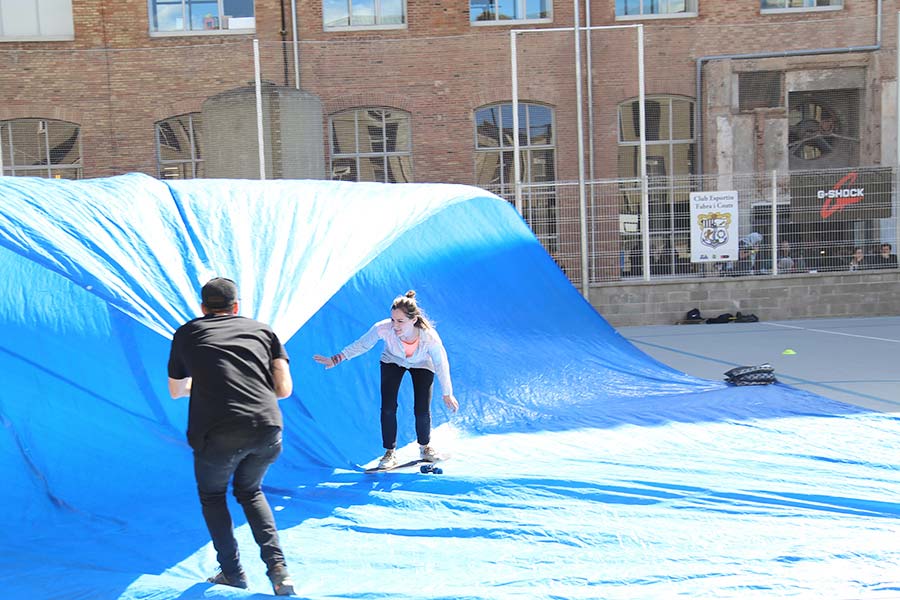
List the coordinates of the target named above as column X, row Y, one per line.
column 581, row 467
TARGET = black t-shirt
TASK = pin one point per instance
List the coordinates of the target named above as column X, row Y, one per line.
column 230, row 360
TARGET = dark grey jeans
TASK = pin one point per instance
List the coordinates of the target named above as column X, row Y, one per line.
column 244, row 455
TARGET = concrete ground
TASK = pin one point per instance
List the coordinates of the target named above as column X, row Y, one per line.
column 854, row 360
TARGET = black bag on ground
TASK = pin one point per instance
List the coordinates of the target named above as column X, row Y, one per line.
column 763, row 374
column 748, row 318
column 723, row 318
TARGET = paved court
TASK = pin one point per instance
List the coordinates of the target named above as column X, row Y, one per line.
column 854, row 360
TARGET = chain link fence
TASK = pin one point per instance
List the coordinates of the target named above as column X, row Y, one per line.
column 814, row 221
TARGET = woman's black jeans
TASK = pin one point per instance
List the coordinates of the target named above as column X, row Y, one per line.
column 244, row 454
column 423, row 382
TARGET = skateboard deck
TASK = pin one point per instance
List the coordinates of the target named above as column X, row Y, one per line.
column 412, row 463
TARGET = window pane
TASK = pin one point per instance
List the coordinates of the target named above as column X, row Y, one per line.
column 506, row 123
column 336, row 13
column 37, row 147
column 487, row 169
column 628, row 7
column 506, row 9
column 203, row 14
column 487, row 128
column 18, row 20
column 371, row 132
column 482, row 10
column 397, row 130
column 682, row 159
column 381, row 152
column 167, row 16
column 197, row 124
column 238, row 8
column 343, row 133
column 362, row 12
column 628, row 122
column 628, row 161
column 682, row 120
column 542, row 167
column 174, row 139
column 344, row 169
column 371, row 168
column 62, row 141
column 55, row 17
column 392, row 12
column 27, row 137
column 399, row 169
column 540, row 126
column 537, row 9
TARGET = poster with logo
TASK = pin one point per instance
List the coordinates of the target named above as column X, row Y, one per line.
column 714, row 226
column 844, row 195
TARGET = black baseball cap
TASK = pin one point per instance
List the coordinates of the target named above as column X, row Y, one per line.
column 219, row 292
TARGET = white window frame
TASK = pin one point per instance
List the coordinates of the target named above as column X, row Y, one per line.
column 35, row 5
column 690, row 12
column 376, row 26
column 795, row 9
column 520, row 9
column 182, row 32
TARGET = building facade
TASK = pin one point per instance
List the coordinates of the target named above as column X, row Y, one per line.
column 401, row 90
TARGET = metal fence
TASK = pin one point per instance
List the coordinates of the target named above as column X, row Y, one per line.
column 789, row 222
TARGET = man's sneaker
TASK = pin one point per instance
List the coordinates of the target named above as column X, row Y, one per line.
column 238, row 580
column 428, row 454
column 282, row 584
column 388, row 461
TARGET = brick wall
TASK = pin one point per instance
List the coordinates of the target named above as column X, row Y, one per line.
column 770, row 298
column 117, row 79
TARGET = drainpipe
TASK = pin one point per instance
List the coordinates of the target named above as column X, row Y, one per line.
column 698, row 108
column 284, row 56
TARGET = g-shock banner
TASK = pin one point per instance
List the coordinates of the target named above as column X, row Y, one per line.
column 845, row 195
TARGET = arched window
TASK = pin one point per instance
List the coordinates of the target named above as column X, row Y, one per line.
column 371, row 144
column 494, row 146
column 494, row 162
column 178, row 147
column 671, row 160
column 41, row 148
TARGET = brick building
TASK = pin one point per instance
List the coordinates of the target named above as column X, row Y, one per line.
column 99, row 87
column 403, row 90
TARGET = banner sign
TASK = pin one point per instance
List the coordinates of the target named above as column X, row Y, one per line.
column 846, row 195
column 714, row 226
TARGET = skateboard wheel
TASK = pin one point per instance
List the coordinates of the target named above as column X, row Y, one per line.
column 437, row 470
column 426, row 468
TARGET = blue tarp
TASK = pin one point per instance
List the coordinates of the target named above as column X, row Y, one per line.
column 581, row 468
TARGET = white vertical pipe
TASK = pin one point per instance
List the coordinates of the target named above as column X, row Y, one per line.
column 645, row 192
column 296, row 44
column 774, row 222
column 897, row 159
column 517, row 171
column 260, row 137
column 1, row 150
column 582, row 201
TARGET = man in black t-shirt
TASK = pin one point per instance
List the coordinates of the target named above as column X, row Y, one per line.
column 235, row 370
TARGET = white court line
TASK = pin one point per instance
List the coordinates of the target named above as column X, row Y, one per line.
column 856, row 335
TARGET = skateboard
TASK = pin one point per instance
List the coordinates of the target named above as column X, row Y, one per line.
column 412, row 463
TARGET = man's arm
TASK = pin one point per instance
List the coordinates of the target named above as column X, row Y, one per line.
column 281, row 373
column 179, row 388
